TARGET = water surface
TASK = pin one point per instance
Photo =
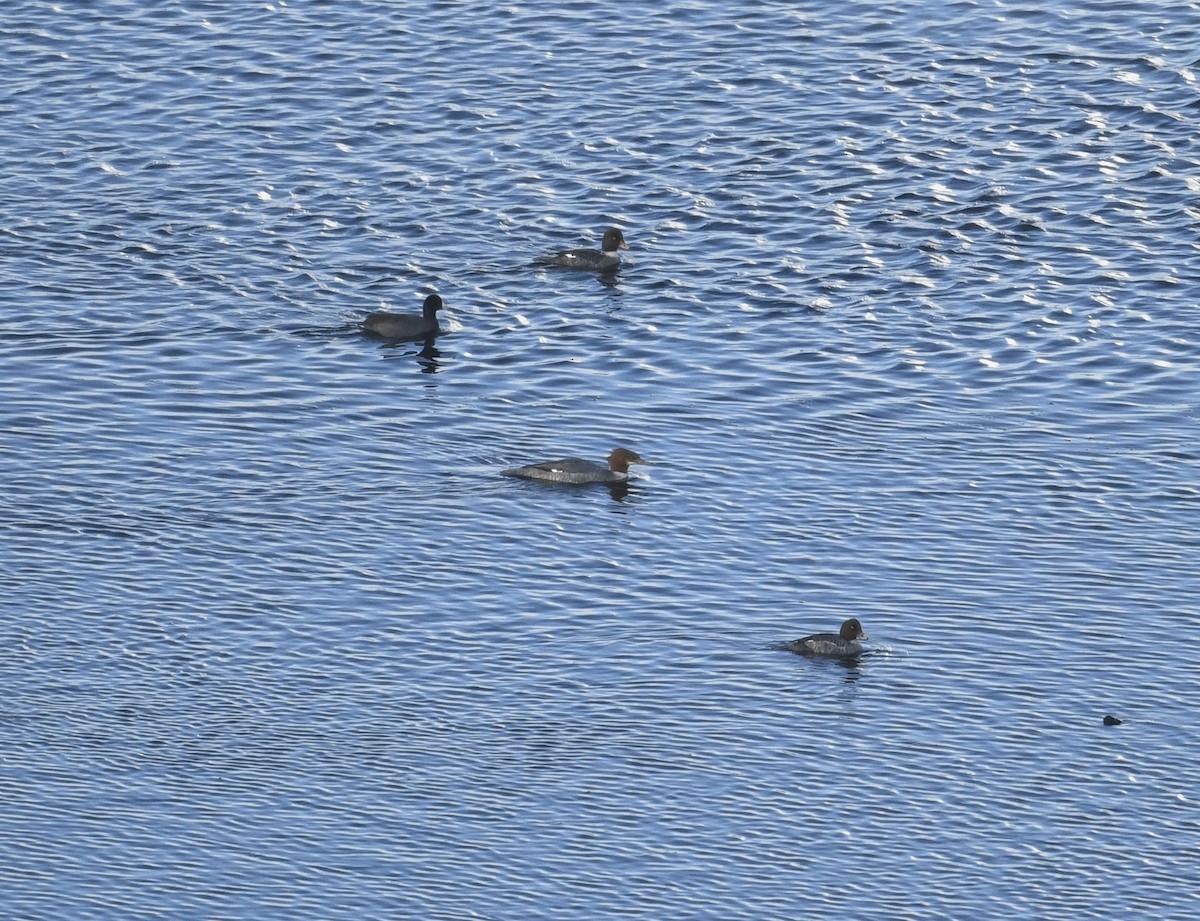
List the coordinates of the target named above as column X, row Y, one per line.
column 907, row 323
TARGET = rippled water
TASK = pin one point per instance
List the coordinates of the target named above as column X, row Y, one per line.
column 907, row 324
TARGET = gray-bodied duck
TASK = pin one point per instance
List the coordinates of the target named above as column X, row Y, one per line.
column 606, row 259
column 577, row 470
column 843, row 644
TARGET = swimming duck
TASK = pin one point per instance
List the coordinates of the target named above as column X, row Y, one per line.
column 389, row 325
column 590, row 260
column 577, row 470
column 842, row 644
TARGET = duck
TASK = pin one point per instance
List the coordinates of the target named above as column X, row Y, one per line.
column 388, row 325
column 576, row 470
column 843, row 644
column 589, row 260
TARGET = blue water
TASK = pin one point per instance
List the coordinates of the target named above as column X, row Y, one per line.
column 907, row 324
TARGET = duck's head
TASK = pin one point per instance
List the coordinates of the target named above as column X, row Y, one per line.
column 613, row 240
column 852, row 630
column 621, row 458
column 433, row 304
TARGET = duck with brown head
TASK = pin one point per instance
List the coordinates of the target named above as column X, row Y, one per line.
column 604, row 260
column 576, row 470
column 843, row 644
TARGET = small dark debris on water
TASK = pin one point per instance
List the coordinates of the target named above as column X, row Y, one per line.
column 1111, row 720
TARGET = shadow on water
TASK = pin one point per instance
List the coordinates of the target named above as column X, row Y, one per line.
column 427, row 357
column 618, row 490
column 609, row 280
column 852, row 666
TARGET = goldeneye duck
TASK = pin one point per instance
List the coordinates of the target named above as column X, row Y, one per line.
column 842, row 644
column 577, row 470
column 590, row 260
column 389, row 325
